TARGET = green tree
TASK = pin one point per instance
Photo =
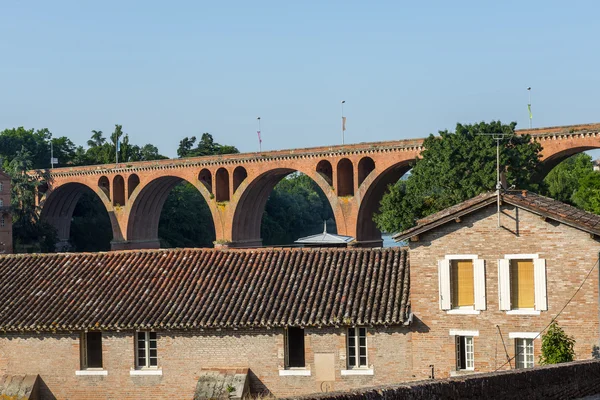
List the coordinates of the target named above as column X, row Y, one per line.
column 564, row 179
column 29, row 233
column 557, row 346
column 455, row 167
column 206, row 147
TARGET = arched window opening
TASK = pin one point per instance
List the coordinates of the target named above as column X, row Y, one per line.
column 239, row 174
column 205, row 177
column 345, row 178
column 222, row 184
column 365, row 166
column 132, row 182
column 104, row 185
column 119, row 191
column 325, row 169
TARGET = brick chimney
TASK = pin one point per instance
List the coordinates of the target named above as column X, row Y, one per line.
column 6, row 235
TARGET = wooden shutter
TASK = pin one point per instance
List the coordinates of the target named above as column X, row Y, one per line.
column 522, row 284
column 461, row 283
column 444, row 283
column 479, row 279
column 504, row 284
column 541, row 301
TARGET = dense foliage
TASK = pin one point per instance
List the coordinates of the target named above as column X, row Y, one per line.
column 456, row 168
column 557, row 346
column 575, row 182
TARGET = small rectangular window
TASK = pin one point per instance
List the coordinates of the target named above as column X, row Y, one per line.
column 294, row 348
column 91, row 350
column 357, row 348
column 465, row 354
column 146, row 351
column 524, row 353
column 2, row 222
column 522, row 284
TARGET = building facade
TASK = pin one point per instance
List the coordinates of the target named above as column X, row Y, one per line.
column 483, row 293
column 149, row 324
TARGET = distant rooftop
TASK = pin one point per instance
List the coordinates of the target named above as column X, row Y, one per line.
column 325, row 239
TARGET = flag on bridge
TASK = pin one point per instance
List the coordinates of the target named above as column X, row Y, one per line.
column 343, row 123
column 529, row 109
column 259, row 139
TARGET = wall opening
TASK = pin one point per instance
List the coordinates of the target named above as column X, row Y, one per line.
column 222, row 183
column 205, row 177
column 345, row 178
column 365, row 166
column 325, row 169
column 132, row 182
column 118, row 191
column 104, row 185
column 91, row 229
column 239, row 174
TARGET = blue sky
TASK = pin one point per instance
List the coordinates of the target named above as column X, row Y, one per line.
column 165, row 70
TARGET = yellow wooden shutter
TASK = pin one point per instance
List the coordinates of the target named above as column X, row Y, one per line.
column 521, row 284
column 462, row 283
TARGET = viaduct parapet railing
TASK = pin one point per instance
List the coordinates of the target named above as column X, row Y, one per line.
column 236, row 186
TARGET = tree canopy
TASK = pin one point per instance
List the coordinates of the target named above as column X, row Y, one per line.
column 459, row 166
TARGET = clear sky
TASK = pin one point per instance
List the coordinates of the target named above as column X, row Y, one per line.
column 169, row 69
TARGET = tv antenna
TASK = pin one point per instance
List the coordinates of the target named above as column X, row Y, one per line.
column 498, row 137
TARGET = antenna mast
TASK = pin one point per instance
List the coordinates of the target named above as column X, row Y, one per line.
column 497, row 137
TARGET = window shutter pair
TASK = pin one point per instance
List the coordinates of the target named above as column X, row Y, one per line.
column 445, row 290
column 539, row 284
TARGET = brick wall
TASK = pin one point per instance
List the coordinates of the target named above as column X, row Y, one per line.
column 569, row 255
column 182, row 355
column 562, row 381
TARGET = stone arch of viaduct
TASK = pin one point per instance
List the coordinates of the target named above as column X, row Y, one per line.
column 236, row 187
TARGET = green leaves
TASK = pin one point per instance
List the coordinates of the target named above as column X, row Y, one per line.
column 456, row 166
column 557, row 346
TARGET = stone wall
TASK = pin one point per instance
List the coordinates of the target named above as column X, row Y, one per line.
column 182, row 356
column 562, row 381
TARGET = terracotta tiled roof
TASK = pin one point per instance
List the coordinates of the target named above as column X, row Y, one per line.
column 203, row 288
column 531, row 201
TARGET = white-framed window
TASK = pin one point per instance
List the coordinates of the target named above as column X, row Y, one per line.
column 91, row 350
column 522, row 283
column 294, row 348
column 461, row 281
column 357, row 347
column 1, row 186
column 524, row 353
column 465, row 353
column 145, row 350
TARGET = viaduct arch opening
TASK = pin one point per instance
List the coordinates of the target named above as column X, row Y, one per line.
column 299, row 210
column 366, row 230
column 170, row 212
column 80, row 217
column 552, row 161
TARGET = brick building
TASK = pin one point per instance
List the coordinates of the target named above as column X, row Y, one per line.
column 483, row 287
column 6, row 238
column 150, row 323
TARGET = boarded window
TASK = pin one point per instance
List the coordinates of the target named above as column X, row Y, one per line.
column 522, row 284
column 294, row 347
column 462, row 283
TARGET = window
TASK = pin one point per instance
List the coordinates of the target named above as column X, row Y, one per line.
column 146, row 350
column 522, row 283
column 462, row 283
column 91, row 350
column 524, row 352
column 1, row 203
column 2, row 223
column 294, row 348
column 465, row 354
column 1, row 186
column 357, row 348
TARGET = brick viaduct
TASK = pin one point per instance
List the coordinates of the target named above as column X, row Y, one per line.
column 236, row 187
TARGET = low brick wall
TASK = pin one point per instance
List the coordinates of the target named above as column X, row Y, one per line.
column 562, row 381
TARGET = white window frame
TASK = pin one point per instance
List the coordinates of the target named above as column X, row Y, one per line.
column 527, row 364
column 469, row 355
column 479, row 285
column 147, row 349
column 357, row 365
column 539, row 285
